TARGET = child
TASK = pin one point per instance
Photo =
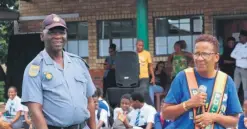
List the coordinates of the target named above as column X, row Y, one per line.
column 123, row 109
column 100, row 115
column 28, row 122
column 242, row 123
column 13, row 109
column 159, row 121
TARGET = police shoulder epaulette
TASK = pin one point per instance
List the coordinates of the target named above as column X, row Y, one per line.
column 85, row 63
column 73, row 55
column 35, row 66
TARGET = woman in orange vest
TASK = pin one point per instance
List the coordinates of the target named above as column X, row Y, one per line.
column 215, row 104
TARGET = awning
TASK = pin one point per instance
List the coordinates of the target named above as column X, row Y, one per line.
column 8, row 14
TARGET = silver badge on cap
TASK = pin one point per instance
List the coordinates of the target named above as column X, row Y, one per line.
column 56, row 19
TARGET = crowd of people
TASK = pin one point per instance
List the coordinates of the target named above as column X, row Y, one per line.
column 58, row 92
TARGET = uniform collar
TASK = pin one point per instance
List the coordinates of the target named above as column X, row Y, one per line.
column 66, row 57
column 50, row 61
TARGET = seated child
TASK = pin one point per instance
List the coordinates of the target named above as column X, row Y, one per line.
column 123, row 109
column 13, row 109
column 27, row 121
column 242, row 123
column 100, row 115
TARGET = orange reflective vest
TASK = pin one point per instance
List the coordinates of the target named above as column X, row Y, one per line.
column 217, row 96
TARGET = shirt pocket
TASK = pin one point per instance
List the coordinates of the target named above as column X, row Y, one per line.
column 53, row 88
column 81, row 83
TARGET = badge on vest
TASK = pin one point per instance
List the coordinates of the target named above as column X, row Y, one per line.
column 48, row 75
column 34, row 70
column 223, row 109
column 216, row 102
column 225, row 98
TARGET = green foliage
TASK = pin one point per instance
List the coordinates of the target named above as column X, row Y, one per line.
column 2, row 91
column 7, row 3
column 6, row 29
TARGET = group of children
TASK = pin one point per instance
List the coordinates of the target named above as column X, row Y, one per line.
column 123, row 112
column 15, row 115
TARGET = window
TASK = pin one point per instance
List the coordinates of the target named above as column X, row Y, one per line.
column 120, row 32
column 77, row 38
column 168, row 30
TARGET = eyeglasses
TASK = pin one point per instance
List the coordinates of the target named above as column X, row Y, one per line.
column 205, row 55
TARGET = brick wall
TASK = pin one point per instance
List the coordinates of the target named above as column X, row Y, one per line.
column 93, row 10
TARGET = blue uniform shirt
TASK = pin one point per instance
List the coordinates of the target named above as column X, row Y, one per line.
column 62, row 92
column 179, row 93
column 241, row 122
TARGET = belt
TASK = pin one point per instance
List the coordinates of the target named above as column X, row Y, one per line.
column 77, row 126
column 241, row 68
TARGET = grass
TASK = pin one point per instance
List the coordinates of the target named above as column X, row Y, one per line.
column 2, row 91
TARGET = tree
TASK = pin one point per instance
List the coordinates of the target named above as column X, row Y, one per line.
column 6, row 29
column 7, row 3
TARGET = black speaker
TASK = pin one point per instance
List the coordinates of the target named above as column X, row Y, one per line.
column 127, row 69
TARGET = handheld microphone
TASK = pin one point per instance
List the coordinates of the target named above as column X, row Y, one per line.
column 202, row 89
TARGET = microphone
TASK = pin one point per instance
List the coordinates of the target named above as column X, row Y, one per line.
column 202, row 89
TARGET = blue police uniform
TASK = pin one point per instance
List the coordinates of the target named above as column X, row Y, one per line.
column 62, row 92
column 179, row 93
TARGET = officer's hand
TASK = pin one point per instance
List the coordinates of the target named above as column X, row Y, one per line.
column 204, row 119
column 197, row 100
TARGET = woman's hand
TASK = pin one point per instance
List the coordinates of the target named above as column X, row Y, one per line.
column 204, row 119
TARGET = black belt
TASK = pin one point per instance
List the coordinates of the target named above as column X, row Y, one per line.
column 77, row 126
column 242, row 68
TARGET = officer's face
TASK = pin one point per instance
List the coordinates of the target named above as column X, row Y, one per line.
column 12, row 93
column 54, row 39
column 125, row 104
column 205, row 57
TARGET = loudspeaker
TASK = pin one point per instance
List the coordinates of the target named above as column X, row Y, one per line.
column 127, row 69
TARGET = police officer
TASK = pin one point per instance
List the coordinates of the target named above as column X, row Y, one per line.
column 57, row 87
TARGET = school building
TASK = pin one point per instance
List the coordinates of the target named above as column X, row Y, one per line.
column 94, row 24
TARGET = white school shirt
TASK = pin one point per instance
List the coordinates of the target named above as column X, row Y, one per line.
column 118, row 110
column 13, row 106
column 108, row 113
column 103, row 117
column 25, row 109
column 147, row 113
column 238, row 53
